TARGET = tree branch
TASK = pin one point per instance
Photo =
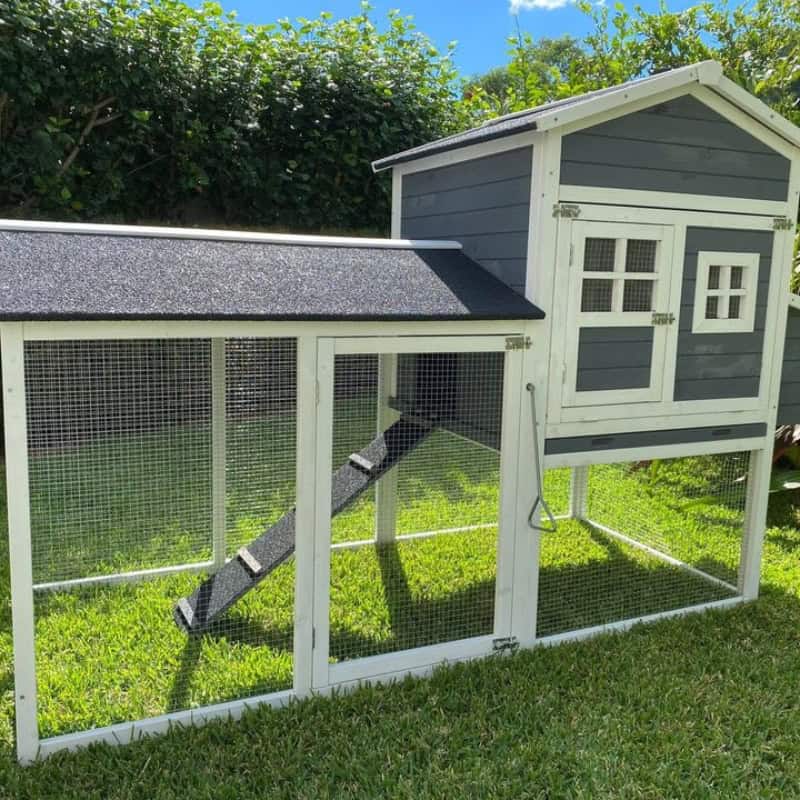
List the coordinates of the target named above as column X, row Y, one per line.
column 92, row 123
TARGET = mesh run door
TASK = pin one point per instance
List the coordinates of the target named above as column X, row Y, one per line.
column 415, row 436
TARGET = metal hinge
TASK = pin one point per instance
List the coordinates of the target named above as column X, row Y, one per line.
column 663, row 319
column 505, row 644
column 567, row 210
column 782, row 224
column 518, row 342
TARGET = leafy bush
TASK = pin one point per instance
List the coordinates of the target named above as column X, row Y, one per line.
column 152, row 110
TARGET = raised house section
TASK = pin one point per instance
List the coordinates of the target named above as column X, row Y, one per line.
column 484, row 203
column 680, row 146
column 789, row 402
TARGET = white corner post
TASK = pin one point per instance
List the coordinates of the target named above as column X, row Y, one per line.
column 386, row 487
column 12, row 352
column 508, row 527
column 305, row 503
column 321, row 506
column 755, row 521
column 578, row 492
column 218, row 452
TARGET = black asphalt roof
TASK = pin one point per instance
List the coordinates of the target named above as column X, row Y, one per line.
column 76, row 275
column 506, row 125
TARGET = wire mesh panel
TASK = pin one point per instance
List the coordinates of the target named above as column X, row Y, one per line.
column 122, row 438
column 653, row 536
column 433, row 581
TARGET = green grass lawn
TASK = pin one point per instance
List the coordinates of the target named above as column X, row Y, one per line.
column 699, row 707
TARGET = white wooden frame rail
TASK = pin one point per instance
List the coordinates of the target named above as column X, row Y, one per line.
column 418, row 660
column 311, row 376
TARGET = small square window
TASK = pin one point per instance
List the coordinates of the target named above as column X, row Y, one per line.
column 597, row 295
column 599, row 255
column 725, row 292
column 641, row 255
column 637, row 296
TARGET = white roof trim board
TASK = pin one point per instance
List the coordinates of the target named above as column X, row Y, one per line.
column 584, row 107
column 146, row 231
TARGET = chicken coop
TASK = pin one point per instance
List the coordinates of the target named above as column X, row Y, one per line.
column 243, row 468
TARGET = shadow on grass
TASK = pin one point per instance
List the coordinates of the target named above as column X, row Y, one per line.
column 625, row 584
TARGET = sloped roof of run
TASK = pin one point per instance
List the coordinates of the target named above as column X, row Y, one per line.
column 573, row 109
column 83, row 272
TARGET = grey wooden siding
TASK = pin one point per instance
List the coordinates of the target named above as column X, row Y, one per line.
column 482, row 203
column 680, row 146
column 614, row 358
column 789, row 402
column 721, row 365
column 620, row 441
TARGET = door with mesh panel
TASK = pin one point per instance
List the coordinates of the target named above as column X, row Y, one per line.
column 417, row 439
column 619, row 318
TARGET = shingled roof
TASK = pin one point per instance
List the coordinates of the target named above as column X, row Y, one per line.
column 579, row 107
column 80, row 272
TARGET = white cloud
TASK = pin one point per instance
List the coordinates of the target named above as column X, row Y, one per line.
column 528, row 5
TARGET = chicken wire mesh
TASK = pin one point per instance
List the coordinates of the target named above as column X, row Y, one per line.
column 434, row 582
column 641, row 538
column 122, row 479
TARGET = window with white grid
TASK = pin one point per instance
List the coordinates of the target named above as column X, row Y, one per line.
column 725, row 292
column 619, row 275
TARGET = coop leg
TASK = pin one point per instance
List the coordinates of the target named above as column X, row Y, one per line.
column 578, row 492
column 755, row 521
column 386, row 488
column 218, row 452
column 19, row 533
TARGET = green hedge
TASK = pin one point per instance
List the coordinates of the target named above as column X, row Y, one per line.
column 155, row 111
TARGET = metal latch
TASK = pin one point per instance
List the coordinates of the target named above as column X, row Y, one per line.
column 663, row 319
column 505, row 644
column 567, row 210
column 518, row 342
column 782, row 224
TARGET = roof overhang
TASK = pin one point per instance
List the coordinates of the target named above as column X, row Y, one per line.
column 614, row 99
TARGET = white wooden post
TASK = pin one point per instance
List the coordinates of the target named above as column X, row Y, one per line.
column 755, row 520
column 218, row 451
column 19, row 532
column 386, row 488
column 578, row 492
column 322, row 511
column 305, row 513
column 508, row 522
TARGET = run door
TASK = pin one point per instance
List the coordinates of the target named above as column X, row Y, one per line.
column 416, row 464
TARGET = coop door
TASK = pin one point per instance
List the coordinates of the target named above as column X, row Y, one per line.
column 416, row 438
column 618, row 318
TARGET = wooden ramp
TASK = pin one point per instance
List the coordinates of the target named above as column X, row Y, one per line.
column 253, row 563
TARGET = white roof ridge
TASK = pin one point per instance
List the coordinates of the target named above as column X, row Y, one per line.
column 211, row 234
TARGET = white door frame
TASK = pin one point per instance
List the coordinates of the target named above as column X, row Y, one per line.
column 386, row 666
column 565, row 419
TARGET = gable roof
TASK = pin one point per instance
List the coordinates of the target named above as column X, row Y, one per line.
column 573, row 109
column 52, row 271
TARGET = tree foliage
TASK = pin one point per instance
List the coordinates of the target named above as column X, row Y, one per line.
column 757, row 43
column 154, row 110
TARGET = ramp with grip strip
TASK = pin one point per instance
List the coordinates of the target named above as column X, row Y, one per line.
column 196, row 613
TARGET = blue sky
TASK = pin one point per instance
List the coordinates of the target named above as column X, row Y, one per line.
column 480, row 26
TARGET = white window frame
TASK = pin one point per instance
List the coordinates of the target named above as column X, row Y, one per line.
column 652, row 229
column 745, row 322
